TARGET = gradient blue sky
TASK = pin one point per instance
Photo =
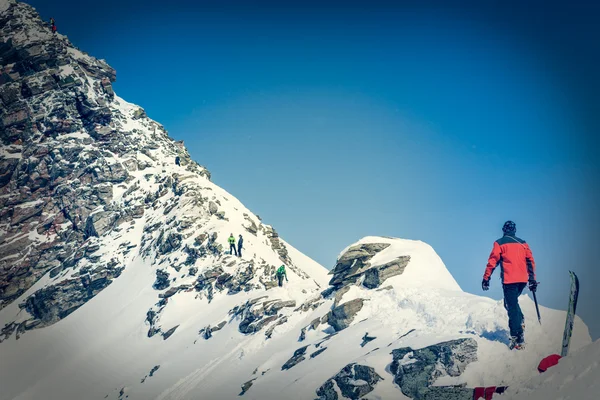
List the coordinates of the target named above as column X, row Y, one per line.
column 336, row 122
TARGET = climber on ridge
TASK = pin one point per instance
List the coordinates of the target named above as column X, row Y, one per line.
column 280, row 275
column 231, row 241
column 517, row 269
column 240, row 244
column 53, row 25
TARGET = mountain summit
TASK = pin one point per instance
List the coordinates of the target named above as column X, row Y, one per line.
column 116, row 279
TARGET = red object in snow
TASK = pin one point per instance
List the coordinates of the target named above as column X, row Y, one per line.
column 548, row 362
column 487, row 393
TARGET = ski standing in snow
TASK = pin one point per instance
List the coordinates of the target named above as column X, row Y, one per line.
column 573, row 295
column 517, row 266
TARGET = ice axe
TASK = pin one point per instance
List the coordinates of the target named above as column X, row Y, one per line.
column 537, row 308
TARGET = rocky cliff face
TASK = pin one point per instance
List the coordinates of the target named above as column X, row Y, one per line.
column 81, row 170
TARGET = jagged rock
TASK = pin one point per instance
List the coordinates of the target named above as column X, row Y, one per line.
column 342, row 316
column 246, row 386
column 151, row 318
column 302, row 335
column 207, row 332
column 100, row 223
column 139, row 113
column 53, row 303
column 213, row 208
column 316, row 353
column 22, row 214
column 354, row 381
column 162, row 280
column 277, row 245
column 366, row 339
column 169, row 244
column 315, row 323
column 274, row 307
column 251, row 227
column 375, row 276
column 415, row 370
column 172, row 291
column 355, row 259
column 153, row 370
column 280, row 321
column 339, row 295
column 168, row 333
column 296, row 358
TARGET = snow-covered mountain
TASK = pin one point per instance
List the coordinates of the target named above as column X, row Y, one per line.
column 116, row 282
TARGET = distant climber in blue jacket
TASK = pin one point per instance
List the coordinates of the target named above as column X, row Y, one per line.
column 240, row 244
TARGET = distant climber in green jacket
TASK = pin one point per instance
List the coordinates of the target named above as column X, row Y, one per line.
column 231, row 241
column 280, row 275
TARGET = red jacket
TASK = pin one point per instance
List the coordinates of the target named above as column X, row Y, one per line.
column 515, row 260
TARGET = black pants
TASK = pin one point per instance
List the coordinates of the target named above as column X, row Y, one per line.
column 239, row 253
column 232, row 249
column 512, row 291
column 280, row 280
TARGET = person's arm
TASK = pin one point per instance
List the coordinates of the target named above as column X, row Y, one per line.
column 530, row 263
column 493, row 261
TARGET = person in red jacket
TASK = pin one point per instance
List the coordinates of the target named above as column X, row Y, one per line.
column 517, row 267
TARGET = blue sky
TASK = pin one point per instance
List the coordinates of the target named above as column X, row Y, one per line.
column 337, row 122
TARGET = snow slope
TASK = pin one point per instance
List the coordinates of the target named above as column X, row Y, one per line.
column 576, row 377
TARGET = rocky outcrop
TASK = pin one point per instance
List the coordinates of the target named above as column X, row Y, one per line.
column 353, row 382
column 255, row 314
column 246, row 386
column 375, row 276
column 162, row 280
column 55, row 302
column 416, row 370
column 355, row 263
column 207, row 332
column 66, row 145
column 342, row 316
column 170, row 332
column 295, row 359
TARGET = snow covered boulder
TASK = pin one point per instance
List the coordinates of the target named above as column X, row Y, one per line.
column 342, row 316
column 373, row 260
column 416, row 370
column 353, row 262
column 353, row 382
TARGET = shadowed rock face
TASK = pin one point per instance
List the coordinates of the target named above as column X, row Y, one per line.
column 356, row 263
column 296, row 358
column 353, row 381
column 53, row 303
column 415, row 370
column 342, row 316
column 38, row 101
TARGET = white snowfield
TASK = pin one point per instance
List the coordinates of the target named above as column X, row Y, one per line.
column 576, row 377
column 103, row 349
